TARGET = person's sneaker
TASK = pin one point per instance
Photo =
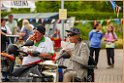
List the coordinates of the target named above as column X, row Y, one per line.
column 96, row 67
column 110, row 66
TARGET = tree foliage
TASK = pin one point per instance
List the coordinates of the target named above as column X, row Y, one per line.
column 71, row 6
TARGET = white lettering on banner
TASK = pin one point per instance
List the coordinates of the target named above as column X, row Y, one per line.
column 20, row 3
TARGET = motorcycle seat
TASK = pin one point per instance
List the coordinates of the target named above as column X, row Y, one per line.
column 21, row 69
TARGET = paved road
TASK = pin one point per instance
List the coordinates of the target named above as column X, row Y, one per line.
column 102, row 74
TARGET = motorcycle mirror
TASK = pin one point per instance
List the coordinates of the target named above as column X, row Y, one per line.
column 12, row 49
column 29, row 43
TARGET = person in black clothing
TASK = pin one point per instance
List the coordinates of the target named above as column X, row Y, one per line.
column 95, row 37
column 4, row 30
column 4, row 42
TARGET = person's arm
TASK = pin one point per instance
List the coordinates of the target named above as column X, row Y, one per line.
column 115, row 38
column 105, row 37
column 22, row 32
column 48, row 53
column 8, row 30
column 32, row 26
column 90, row 35
column 83, row 57
column 101, row 36
column 40, row 54
column 15, row 30
column 58, row 32
column 3, row 33
column 15, row 27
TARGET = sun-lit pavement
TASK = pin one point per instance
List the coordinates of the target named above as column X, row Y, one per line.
column 102, row 74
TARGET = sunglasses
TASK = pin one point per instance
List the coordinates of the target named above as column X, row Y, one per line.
column 70, row 35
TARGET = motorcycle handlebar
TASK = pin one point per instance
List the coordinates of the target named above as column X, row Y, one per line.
column 11, row 57
column 64, row 55
column 25, row 53
column 62, row 66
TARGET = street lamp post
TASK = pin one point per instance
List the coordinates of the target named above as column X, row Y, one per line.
column 62, row 7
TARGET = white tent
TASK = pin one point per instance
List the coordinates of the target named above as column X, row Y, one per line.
column 34, row 15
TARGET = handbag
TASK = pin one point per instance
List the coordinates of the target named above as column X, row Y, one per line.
column 110, row 45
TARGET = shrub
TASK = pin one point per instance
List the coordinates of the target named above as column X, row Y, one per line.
column 94, row 15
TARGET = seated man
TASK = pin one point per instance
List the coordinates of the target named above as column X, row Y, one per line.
column 79, row 56
column 42, row 44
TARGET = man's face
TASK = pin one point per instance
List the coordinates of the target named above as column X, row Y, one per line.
column 10, row 18
column 72, row 37
column 3, row 23
column 38, row 35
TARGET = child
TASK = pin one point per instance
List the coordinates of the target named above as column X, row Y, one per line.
column 95, row 37
column 110, row 38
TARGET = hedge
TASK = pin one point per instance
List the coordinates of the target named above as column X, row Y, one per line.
column 94, row 15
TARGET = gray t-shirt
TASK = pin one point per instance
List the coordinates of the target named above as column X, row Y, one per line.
column 12, row 25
